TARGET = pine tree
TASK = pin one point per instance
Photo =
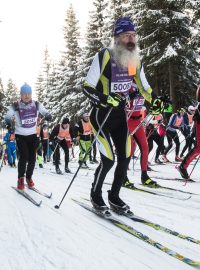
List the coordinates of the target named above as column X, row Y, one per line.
column 39, row 87
column 2, row 103
column 11, row 94
column 71, row 57
column 94, row 36
column 53, row 94
column 115, row 9
column 164, row 40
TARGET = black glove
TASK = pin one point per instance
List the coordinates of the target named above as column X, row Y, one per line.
column 48, row 117
column 116, row 101
column 150, row 126
column 156, row 106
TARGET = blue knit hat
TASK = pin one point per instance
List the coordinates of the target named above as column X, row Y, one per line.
column 122, row 25
column 25, row 89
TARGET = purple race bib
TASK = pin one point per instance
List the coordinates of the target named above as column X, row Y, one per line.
column 28, row 114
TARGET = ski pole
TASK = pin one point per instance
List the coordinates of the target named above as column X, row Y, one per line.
column 95, row 138
column 194, row 166
column 191, row 171
column 54, row 149
column 140, row 124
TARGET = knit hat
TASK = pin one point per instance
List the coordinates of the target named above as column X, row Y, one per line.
column 65, row 120
column 191, row 108
column 122, row 25
column 25, row 89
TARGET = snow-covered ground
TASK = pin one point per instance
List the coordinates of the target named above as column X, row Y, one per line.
column 72, row 238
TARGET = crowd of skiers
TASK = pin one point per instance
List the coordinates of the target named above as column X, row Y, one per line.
column 117, row 89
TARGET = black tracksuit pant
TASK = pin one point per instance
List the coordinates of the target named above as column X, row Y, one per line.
column 172, row 136
column 155, row 137
column 115, row 128
column 64, row 146
column 27, row 147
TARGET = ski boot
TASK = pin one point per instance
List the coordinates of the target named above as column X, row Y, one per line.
column 118, row 206
column 128, row 184
column 147, row 181
column 83, row 164
column 30, row 183
column 20, row 183
column 67, row 170
column 158, row 161
column 183, row 172
column 178, row 159
column 165, row 159
column 149, row 168
column 58, row 170
column 99, row 204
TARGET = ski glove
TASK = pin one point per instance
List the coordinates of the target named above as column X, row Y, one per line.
column 156, row 106
column 116, row 100
column 48, row 117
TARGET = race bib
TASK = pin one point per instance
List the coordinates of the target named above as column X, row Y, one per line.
column 120, row 86
column 28, row 121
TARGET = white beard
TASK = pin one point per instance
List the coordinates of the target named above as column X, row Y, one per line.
column 124, row 57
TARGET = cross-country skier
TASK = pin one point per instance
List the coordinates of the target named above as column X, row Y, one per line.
column 194, row 152
column 83, row 133
column 25, row 111
column 44, row 134
column 175, row 124
column 10, row 141
column 110, row 77
column 187, row 130
column 56, row 139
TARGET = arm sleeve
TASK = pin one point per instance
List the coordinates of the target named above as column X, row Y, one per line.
column 42, row 110
column 91, row 82
column 144, row 81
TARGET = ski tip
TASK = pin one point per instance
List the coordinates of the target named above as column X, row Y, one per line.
column 39, row 204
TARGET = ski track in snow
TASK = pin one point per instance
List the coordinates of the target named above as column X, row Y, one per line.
column 72, row 238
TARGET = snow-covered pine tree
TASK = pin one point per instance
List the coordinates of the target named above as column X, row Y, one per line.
column 114, row 10
column 68, row 102
column 164, row 36
column 11, row 94
column 39, row 87
column 2, row 103
column 93, row 45
column 193, row 11
column 53, row 94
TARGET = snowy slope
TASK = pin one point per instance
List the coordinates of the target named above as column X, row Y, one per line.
column 72, row 238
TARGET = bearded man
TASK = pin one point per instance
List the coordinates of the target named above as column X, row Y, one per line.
column 109, row 83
